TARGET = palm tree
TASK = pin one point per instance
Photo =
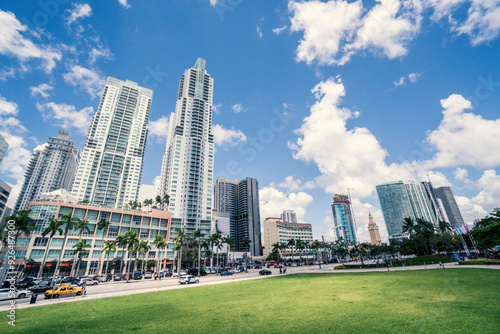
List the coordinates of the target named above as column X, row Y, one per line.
column 246, row 245
column 426, row 229
column 148, row 203
column 109, row 247
column 70, row 224
column 23, row 224
column 212, row 239
column 103, row 224
column 160, row 243
column 143, row 248
column 131, row 242
column 205, row 244
column 80, row 249
column 121, row 241
column 166, row 200
column 197, row 235
column 81, row 225
column 410, row 228
column 229, row 242
column 179, row 239
column 299, row 244
column 158, row 200
column 53, row 228
column 291, row 243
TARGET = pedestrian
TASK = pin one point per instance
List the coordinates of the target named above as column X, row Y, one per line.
column 281, row 271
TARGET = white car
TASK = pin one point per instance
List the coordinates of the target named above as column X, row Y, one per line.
column 188, row 279
column 89, row 281
column 148, row 274
column 13, row 294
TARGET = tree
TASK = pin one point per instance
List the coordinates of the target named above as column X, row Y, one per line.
column 426, row 230
column 80, row 249
column 109, row 247
column 121, row 241
column 70, row 224
column 103, row 225
column 148, row 203
column 166, row 200
column 246, row 246
column 198, row 236
column 53, row 228
column 160, row 243
column 205, row 244
column 291, row 244
column 487, row 231
column 144, row 247
column 158, row 200
column 229, row 242
column 81, row 225
column 131, row 242
column 409, row 227
column 180, row 239
column 214, row 242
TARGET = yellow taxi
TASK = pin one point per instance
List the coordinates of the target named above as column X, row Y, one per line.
column 64, row 291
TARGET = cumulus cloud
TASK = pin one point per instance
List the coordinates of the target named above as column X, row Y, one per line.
column 66, row 116
column 88, row 80
column 237, row 108
column 229, row 137
column 8, row 107
column 14, row 43
column 214, row 2
column 273, row 202
column 400, row 82
column 278, row 31
column 412, row 78
column 42, row 90
column 482, row 23
column 78, row 11
column 293, row 184
column 464, row 138
column 159, row 129
column 124, row 3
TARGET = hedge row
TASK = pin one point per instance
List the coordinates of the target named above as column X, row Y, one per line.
column 480, row 262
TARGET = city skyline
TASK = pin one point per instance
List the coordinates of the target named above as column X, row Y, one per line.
column 332, row 114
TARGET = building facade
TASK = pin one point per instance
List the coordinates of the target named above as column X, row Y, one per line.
column 4, row 146
column 241, row 200
column 373, row 230
column 275, row 230
column 343, row 219
column 5, row 190
column 452, row 212
column 146, row 225
column 50, row 168
column 111, row 164
column 289, row 216
column 188, row 160
column 400, row 200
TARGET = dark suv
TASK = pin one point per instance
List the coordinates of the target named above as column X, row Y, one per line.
column 194, row 272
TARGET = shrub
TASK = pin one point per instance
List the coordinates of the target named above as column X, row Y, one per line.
column 339, row 267
column 480, row 262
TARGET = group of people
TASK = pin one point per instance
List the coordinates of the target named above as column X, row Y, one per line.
column 282, row 271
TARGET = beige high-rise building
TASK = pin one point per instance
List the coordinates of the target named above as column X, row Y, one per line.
column 373, row 229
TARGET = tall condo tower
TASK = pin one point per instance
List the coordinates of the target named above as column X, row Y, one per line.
column 111, row 165
column 343, row 219
column 51, row 167
column 453, row 215
column 289, row 216
column 188, row 160
column 3, row 147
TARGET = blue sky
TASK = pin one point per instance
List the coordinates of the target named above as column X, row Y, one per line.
column 312, row 97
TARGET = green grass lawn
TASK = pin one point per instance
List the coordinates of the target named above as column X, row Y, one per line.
column 425, row 301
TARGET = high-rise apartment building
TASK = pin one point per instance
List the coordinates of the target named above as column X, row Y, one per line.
column 51, row 167
column 111, row 165
column 452, row 212
column 289, row 216
column 5, row 190
column 188, row 160
column 373, row 230
column 241, row 200
column 276, row 230
column 343, row 219
column 400, row 200
column 3, row 148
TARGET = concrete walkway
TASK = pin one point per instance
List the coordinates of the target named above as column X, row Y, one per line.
column 153, row 286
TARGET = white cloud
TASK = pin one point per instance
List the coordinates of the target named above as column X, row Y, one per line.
column 229, row 137
column 99, row 52
column 79, row 11
column 463, row 138
column 292, row 184
column 216, row 108
column 443, row 8
column 259, row 32
column 42, row 90
column 7, row 107
column 149, row 191
column 278, row 31
column 461, row 174
column 237, row 108
column 40, row 147
column 159, row 129
column 214, row 2
column 400, row 82
column 413, row 77
column 13, row 43
column 67, row 116
column 124, row 3
column 483, row 21
column 273, row 202
column 90, row 81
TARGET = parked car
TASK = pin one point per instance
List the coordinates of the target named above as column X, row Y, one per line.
column 188, row 279
column 25, row 283
column 148, row 275
column 265, row 272
column 226, row 273
column 183, row 273
column 70, row 280
column 64, row 291
column 194, row 272
column 138, row 275
column 117, row 277
column 211, row 271
column 39, row 288
column 13, row 294
column 88, row 281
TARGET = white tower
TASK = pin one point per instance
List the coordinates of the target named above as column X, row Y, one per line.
column 187, row 169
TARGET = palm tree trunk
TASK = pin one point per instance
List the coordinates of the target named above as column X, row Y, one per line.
column 128, row 269
column 99, row 267
column 199, row 257
column 40, row 271
column 60, row 259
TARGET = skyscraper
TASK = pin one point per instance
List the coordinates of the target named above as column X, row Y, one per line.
column 3, row 148
column 5, row 190
column 373, row 229
column 111, row 165
column 289, row 216
column 51, row 167
column 453, row 215
column 343, row 219
column 187, row 168
column 400, row 200
column 241, row 200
